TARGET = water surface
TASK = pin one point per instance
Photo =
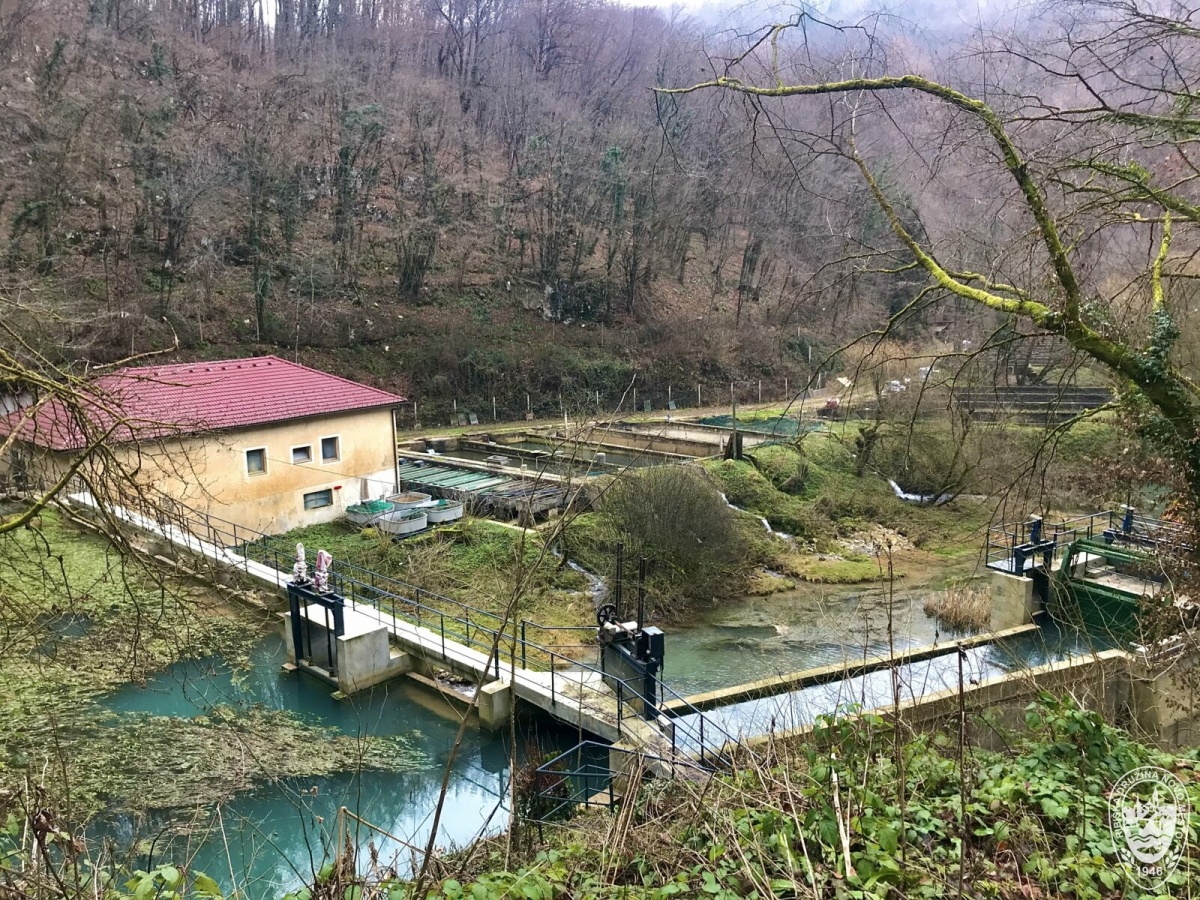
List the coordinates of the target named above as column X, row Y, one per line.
column 273, row 838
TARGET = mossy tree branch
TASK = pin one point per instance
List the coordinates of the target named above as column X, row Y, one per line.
column 1174, row 395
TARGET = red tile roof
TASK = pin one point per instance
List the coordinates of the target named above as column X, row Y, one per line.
column 187, row 398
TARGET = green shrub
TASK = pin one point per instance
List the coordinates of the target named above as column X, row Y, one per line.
column 675, row 516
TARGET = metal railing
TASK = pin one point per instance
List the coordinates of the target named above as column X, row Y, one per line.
column 1009, row 544
column 568, row 781
column 578, row 684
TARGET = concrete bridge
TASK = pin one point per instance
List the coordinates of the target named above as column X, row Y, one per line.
column 387, row 628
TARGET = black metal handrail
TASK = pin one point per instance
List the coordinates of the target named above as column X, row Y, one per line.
column 561, row 785
column 363, row 586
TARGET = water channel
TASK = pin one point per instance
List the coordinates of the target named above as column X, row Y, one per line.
column 275, row 837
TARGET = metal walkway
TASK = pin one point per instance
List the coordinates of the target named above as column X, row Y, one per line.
column 459, row 635
column 1018, row 549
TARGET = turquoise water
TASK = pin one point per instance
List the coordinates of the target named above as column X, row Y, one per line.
column 275, row 837
column 781, row 426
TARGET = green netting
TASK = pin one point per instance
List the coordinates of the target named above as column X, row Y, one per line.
column 776, row 425
column 371, row 507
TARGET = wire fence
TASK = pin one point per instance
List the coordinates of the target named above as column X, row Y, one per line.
column 588, row 402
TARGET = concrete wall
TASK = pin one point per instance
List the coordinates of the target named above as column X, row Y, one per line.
column 1013, row 602
column 1164, row 697
column 997, row 706
column 209, row 473
column 1155, row 701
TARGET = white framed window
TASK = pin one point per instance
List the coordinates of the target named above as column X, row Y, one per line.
column 301, row 455
column 256, row 461
column 319, row 499
column 331, row 449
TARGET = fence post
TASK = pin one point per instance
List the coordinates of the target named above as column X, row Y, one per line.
column 442, row 616
column 523, row 665
column 551, row 677
column 698, row 403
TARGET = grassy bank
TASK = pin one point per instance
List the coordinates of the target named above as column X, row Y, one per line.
column 480, row 563
column 813, row 491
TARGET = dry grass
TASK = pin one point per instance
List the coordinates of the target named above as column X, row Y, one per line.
column 963, row 606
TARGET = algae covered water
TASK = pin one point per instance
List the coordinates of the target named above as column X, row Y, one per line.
column 273, row 839
column 812, row 626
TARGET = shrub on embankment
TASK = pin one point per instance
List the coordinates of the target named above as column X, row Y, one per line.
column 859, row 812
column 696, row 547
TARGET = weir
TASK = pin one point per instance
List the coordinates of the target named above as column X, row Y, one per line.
column 1093, row 571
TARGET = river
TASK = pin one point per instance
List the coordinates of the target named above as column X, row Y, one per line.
column 272, row 839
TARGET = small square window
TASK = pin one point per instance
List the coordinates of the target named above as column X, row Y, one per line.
column 319, row 499
column 256, row 461
column 330, row 450
column 302, row 454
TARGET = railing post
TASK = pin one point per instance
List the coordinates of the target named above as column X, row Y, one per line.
column 551, row 677
column 523, row 665
column 442, row 616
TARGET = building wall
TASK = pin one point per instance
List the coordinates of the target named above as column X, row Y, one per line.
column 209, row 473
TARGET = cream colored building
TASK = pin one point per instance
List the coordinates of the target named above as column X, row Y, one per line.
column 264, row 443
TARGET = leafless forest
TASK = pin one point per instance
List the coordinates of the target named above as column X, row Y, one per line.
column 435, row 195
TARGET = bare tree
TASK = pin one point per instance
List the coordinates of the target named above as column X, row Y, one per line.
column 1100, row 190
